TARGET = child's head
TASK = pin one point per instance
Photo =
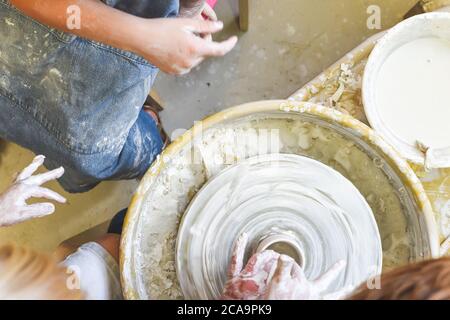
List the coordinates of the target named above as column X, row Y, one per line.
column 26, row 275
column 427, row 280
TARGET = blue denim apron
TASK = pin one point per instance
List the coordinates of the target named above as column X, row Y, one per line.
column 77, row 101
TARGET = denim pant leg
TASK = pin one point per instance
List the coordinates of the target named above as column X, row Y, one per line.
column 116, row 225
column 76, row 101
column 142, row 146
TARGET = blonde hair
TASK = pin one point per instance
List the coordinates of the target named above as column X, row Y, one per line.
column 427, row 280
column 28, row 275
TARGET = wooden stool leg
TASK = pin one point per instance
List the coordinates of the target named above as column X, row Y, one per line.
column 244, row 14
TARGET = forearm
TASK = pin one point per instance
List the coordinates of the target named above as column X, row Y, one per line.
column 97, row 21
column 172, row 45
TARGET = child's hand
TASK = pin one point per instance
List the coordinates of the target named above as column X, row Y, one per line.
column 13, row 206
column 176, row 46
column 269, row 275
column 249, row 283
column 290, row 283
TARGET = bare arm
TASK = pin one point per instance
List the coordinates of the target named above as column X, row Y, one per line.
column 170, row 44
column 98, row 21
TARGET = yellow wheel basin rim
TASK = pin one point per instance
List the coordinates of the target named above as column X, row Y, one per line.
column 369, row 136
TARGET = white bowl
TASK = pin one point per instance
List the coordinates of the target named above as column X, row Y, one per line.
column 437, row 25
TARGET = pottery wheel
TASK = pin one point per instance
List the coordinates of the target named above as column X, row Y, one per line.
column 288, row 203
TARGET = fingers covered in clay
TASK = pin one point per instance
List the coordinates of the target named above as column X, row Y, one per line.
column 285, row 284
column 40, row 192
column 40, row 179
column 263, row 261
column 30, row 169
column 237, row 258
column 273, row 276
column 328, row 277
column 13, row 202
column 26, row 176
column 37, row 210
column 248, row 282
column 297, row 272
column 284, row 268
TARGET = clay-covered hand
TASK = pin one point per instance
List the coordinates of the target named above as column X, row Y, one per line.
column 13, row 206
column 269, row 275
column 249, row 283
column 290, row 283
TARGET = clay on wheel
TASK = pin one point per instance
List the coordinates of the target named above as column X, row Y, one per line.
column 311, row 206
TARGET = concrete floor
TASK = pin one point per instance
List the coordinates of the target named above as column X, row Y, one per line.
column 289, row 42
column 81, row 213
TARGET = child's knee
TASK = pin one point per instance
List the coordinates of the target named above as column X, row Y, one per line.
column 111, row 243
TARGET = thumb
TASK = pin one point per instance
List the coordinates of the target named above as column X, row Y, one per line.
column 33, row 211
column 204, row 26
column 283, row 270
column 217, row 49
column 37, row 210
column 237, row 258
column 328, row 277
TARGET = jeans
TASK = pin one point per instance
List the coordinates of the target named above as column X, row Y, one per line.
column 116, row 225
column 77, row 101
